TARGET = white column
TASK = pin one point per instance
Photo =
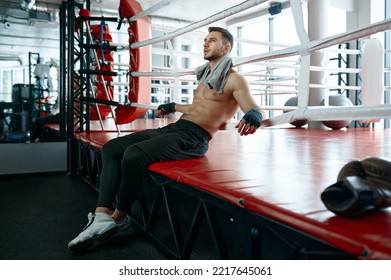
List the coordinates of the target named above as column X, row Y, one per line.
column 176, row 64
column 359, row 15
column 318, row 14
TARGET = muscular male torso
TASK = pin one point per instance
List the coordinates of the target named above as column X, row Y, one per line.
column 210, row 109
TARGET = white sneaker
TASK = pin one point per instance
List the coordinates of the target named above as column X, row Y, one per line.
column 99, row 226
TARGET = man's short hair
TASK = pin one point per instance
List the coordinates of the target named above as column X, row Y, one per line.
column 226, row 34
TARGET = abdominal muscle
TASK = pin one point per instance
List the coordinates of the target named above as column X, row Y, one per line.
column 210, row 110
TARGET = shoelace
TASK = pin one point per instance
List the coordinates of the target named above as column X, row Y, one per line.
column 90, row 221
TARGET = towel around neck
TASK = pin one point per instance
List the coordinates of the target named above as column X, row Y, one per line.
column 217, row 77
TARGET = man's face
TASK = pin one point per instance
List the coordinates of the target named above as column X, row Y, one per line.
column 214, row 46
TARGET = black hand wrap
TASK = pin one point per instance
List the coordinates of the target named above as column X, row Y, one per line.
column 253, row 117
column 167, row 108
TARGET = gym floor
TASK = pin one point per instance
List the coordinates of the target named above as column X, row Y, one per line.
column 43, row 212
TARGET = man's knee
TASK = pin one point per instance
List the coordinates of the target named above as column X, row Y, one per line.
column 112, row 149
column 135, row 158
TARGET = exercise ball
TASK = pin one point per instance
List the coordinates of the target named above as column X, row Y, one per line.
column 293, row 102
column 337, row 100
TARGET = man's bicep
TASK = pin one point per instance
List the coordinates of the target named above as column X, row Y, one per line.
column 243, row 96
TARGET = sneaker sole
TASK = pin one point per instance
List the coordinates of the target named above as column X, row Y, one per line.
column 88, row 243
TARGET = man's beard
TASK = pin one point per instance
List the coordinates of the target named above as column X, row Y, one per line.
column 212, row 56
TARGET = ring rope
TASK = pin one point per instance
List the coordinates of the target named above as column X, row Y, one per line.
column 318, row 44
column 150, row 10
column 319, row 113
column 216, row 17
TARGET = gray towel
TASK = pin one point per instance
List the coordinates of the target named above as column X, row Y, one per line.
column 218, row 76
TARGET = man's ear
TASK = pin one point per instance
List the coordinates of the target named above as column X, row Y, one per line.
column 227, row 48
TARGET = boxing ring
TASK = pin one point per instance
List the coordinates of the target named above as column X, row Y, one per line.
column 255, row 197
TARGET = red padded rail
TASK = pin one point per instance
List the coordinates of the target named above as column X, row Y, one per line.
column 109, row 125
column 53, row 126
column 97, row 138
column 280, row 173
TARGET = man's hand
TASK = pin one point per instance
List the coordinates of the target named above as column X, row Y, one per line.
column 250, row 123
column 165, row 109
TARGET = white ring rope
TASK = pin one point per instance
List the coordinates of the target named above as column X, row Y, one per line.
column 184, row 72
column 320, row 113
column 262, row 43
column 264, row 83
column 273, row 92
column 310, row 85
column 343, row 51
column 183, row 54
column 163, row 73
column 216, row 17
column 297, row 13
column 318, row 44
column 152, row 9
column 312, row 68
column 166, row 29
column 334, row 113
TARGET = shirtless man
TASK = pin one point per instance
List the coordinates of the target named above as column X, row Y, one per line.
column 125, row 159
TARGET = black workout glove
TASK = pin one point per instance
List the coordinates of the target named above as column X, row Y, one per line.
column 253, row 117
column 167, row 108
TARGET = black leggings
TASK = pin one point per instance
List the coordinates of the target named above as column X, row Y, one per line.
column 125, row 159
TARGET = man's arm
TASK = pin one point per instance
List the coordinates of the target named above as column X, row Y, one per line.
column 171, row 108
column 252, row 119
